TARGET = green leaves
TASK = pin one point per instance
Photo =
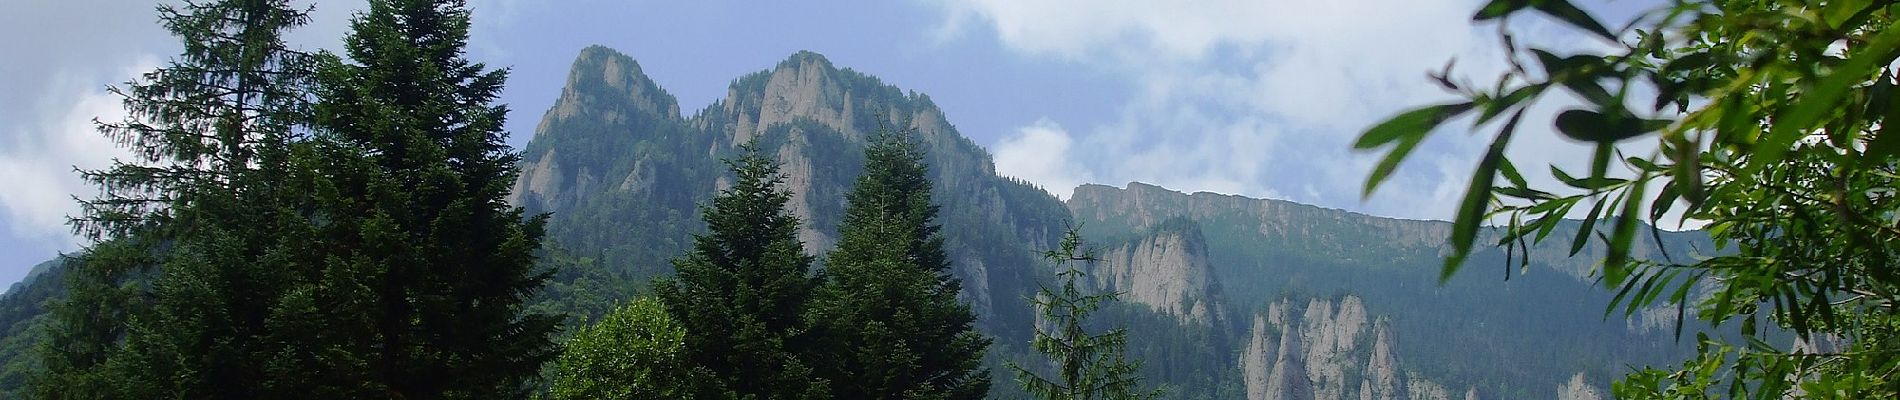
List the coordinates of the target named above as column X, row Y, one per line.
column 1820, row 101
column 1562, row 10
column 1596, row 126
column 1471, row 210
column 1403, row 132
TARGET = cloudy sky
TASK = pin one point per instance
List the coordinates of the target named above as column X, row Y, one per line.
column 1252, row 97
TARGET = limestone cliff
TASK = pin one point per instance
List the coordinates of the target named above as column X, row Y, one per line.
column 1577, row 389
column 607, row 97
column 1167, row 271
column 1316, row 351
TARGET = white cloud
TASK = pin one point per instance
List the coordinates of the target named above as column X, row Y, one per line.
column 1039, row 153
column 1263, row 97
column 39, row 157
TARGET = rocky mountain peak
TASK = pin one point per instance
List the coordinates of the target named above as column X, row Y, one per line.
column 603, row 79
column 607, row 105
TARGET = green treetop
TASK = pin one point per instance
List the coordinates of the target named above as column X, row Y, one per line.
column 1086, row 366
column 423, row 266
column 634, row 352
column 208, row 204
column 889, row 314
column 741, row 291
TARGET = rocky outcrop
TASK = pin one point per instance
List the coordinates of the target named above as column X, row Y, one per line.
column 1331, row 334
column 607, row 93
column 1167, row 271
column 1309, row 353
column 1380, row 378
column 1577, row 389
column 1257, row 358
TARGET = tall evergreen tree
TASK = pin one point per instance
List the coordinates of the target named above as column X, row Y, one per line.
column 1087, row 366
column 742, row 290
column 424, row 266
column 889, row 312
column 211, row 133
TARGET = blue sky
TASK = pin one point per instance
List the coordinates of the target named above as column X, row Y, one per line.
column 1252, row 97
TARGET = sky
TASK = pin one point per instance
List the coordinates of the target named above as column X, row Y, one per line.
column 1260, row 98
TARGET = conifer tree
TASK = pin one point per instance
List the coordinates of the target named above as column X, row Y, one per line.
column 891, row 321
column 199, row 203
column 1087, row 366
column 742, row 289
column 424, row 266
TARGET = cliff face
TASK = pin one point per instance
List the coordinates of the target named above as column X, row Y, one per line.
column 1312, row 352
column 606, row 95
column 1577, row 389
column 1167, row 271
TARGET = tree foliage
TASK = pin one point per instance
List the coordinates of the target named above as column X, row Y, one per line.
column 636, row 351
column 425, row 267
column 888, row 313
column 206, row 192
column 298, row 227
column 741, row 292
column 1770, row 124
column 1087, row 366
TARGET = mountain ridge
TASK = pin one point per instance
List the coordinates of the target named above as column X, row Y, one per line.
column 1216, row 282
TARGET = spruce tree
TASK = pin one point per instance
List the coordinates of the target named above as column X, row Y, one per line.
column 891, row 320
column 200, row 203
column 742, row 289
column 1087, row 366
column 424, row 266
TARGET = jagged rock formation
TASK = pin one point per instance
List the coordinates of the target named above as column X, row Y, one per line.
column 1314, row 353
column 1380, row 377
column 615, row 154
column 1577, row 389
column 1167, row 271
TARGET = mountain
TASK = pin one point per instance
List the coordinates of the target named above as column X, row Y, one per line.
column 1223, row 296
column 1360, row 310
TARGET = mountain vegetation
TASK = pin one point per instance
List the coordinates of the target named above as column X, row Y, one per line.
column 1085, row 365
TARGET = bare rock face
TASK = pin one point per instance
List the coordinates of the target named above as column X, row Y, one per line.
column 1256, row 361
column 1294, row 353
column 1168, row 272
column 607, row 90
column 795, row 166
column 540, row 180
column 1331, row 334
column 1381, row 375
column 1287, row 379
column 1577, row 389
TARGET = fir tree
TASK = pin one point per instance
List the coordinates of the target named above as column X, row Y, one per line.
column 425, row 267
column 211, row 132
column 892, row 324
column 1087, row 366
column 741, row 292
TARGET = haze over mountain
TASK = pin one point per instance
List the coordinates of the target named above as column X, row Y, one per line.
column 1225, row 296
